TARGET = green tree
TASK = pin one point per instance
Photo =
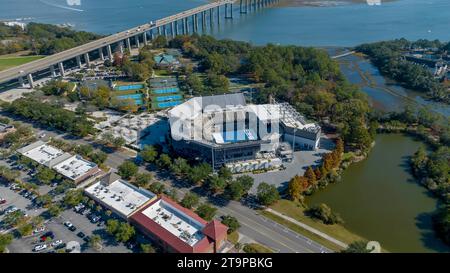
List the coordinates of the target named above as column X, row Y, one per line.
column 143, row 179
column 95, row 241
column 216, row 184
column 127, row 170
column 164, row 161
column 206, row 211
column 148, row 154
column 239, row 187
column 231, row 222
column 55, row 210
column 356, row 247
column 324, row 213
column 147, row 248
column 45, row 175
column 5, row 240
column 190, row 200
column 124, row 232
column 267, row 194
column 157, row 187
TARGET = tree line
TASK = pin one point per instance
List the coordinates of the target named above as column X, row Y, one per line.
column 42, row 39
column 50, row 115
column 388, row 57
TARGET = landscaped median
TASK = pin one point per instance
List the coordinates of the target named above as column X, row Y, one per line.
column 288, row 213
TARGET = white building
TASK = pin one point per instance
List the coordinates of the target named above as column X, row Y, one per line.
column 76, row 168
column 223, row 129
column 119, row 196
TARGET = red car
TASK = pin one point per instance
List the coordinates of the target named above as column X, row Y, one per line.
column 2, row 201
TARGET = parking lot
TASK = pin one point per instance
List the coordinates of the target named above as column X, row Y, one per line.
column 61, row 232
column 13, row 198
column 302, row 160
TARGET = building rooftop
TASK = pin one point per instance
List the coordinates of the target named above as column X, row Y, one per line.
column 177, row 222
column 41, row 152
column 120, row 195
column 74, row 167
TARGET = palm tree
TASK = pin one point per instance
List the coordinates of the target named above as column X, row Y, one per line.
column 96, row 242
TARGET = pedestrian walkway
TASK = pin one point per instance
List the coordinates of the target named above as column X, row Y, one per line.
column 308, row 228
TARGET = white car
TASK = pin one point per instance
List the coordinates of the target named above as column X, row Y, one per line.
column 40, row 247
column 68, row 224
column 38, row 230
column 56, row 243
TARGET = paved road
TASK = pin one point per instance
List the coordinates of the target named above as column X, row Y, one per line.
column 46, row 62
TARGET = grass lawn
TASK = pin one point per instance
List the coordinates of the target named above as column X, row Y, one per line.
column 296, row 211
column 8, row 62
column 233, row 237
column 256, row 248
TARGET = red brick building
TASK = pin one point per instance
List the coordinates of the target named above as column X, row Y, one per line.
column 177, row 229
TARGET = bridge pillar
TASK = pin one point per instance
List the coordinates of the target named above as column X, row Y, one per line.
column 218, row 15
column 30, row 80
column 79, row 61
column 86, row 59
column 152, row 34
column 144, row 37
column 128, row 43
column 159, row 31
column 172, row 29
column 52, row 71
column 121, row 49
column 184, row 26
column 137, row 41
column 165, row 30
column 61, row 69
column 176, row 28
column 196, row 22
column 203, row 21
column 100, row 52
column 110, row 55
column 21, row 82
column 211, row 15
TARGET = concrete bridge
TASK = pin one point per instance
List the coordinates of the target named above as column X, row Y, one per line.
column 185, row 22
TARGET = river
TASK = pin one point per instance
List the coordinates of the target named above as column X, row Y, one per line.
column 380, row 200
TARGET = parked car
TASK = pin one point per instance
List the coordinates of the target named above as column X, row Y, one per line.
column 41, row 247
column 95, row 219
column 87, row 239
column 38, row 230
column 68, row 224
column 81, row 234
column 48, row 234
column 56, row 243
column 72, row 228
column 2, row 201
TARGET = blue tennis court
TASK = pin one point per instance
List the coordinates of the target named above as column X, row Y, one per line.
column 166, row 90
column 236, row 136
column 168, row 98
column 130, row 96
column 129, row 87
column 168, row 104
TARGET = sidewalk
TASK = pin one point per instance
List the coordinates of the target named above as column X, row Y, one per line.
column 308, row 228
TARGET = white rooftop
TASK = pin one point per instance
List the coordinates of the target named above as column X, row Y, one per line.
column 121, row 196
column 43, row 153
column 175, row 221
column 74, row 167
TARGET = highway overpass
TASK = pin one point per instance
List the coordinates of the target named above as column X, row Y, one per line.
column 181, row 23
